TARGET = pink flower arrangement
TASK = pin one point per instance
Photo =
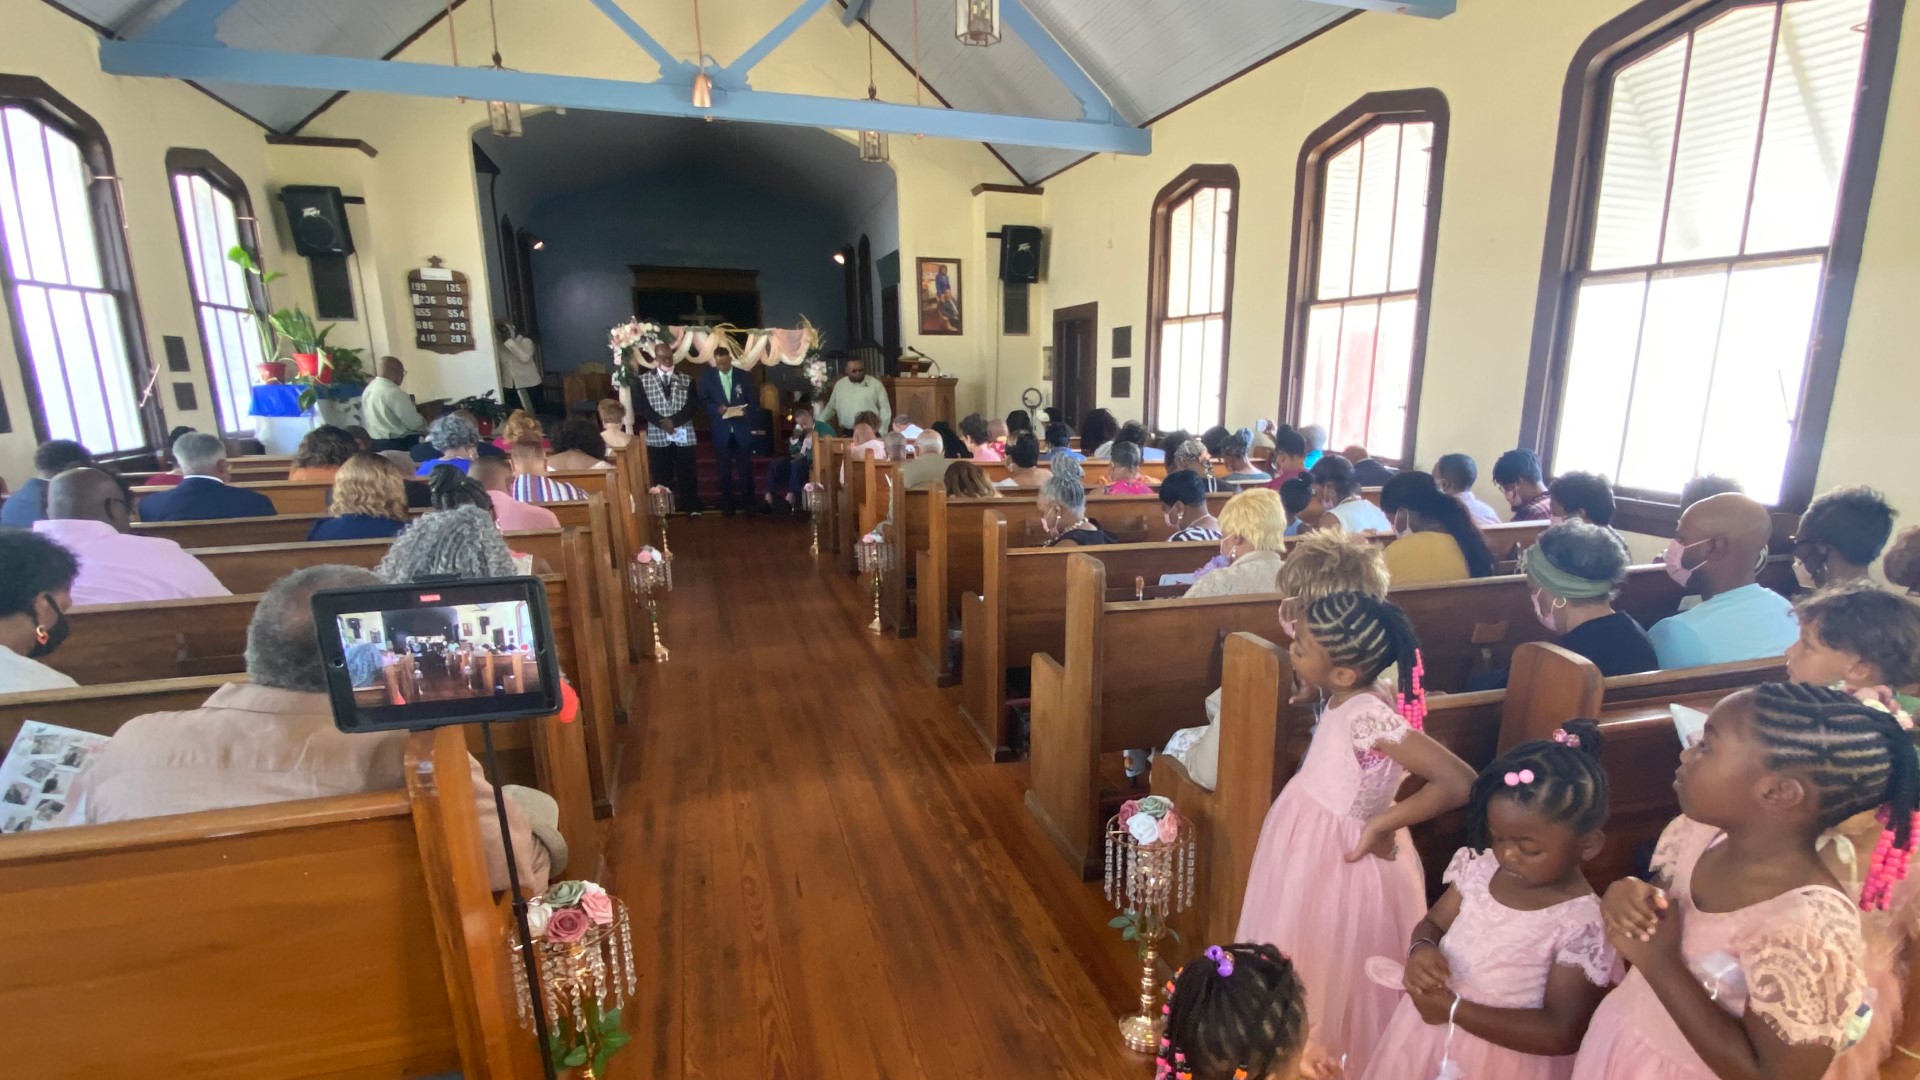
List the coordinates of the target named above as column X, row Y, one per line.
column 646, row 555
column 567, row 925
column 597, row 905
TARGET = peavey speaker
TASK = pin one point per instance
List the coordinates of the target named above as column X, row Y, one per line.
column 318, row 219
column 1019, row 253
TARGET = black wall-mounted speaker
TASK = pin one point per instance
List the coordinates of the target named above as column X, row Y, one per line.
column 1019, row 253
column 318, row 218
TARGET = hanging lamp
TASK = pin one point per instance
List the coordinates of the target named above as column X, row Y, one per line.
column 977, row 22
column 873, row 144
column 502, row 116
column 702, row 84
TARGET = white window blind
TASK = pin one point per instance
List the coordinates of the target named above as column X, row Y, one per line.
column 1193, row 324
column 210, row 226
column 1365, row 302
column 1718, row 190
column 73, row 322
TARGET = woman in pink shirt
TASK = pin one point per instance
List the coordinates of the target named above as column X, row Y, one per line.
column 973, row 432
column 1124, row 477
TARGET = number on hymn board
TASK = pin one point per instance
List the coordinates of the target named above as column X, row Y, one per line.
column 455, row 287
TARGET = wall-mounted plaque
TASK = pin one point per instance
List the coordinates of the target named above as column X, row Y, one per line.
column 442, row 309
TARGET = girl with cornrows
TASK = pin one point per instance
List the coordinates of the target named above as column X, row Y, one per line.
column 1335, row 878
column 1747, row 955
column 1239, row 1013
column 1504, row 973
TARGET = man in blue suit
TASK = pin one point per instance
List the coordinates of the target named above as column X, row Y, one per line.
column 727, row 392
column 205, row 494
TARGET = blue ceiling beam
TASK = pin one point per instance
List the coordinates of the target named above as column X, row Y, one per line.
column 260, row 67
column 734, row 75
column 670, row 65
column 1426, row 9
column 1094, row 103
column 192, row 23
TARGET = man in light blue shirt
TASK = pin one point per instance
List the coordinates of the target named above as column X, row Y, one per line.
column 1717, row 552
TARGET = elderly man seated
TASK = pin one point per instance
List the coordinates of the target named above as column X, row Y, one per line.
column 204, row 494
column 272, row 739
column 1717, row 552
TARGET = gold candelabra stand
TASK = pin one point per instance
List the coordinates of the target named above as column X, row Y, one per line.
column 816, row 497
column 650, row 576
column 875, row 558
column 1149, row 881
column 581, row 982
column 660, row 503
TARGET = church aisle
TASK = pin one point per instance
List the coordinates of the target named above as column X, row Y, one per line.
column 826, row 877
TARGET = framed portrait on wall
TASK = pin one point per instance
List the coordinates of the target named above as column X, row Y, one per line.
column 938, row 288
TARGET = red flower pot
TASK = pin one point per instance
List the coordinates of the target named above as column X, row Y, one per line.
column 270, row 372
column 309, row 364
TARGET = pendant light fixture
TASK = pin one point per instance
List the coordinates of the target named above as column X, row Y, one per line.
column 702, row 85
column 977, row 22
column 502, row 116
column 873, row 144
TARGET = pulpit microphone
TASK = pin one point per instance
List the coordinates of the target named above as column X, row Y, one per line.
column 934, row 364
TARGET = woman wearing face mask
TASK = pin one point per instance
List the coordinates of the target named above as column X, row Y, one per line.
column 1253, row 526
column 1573, row 570
column 1183, row 503
column 1436, row 539
column 1062, row 503
column 36, row 589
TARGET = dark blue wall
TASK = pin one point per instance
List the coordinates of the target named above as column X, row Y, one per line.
column 697, row 218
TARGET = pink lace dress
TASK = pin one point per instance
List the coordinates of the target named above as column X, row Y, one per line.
column 1328, row 914
column 1796, row 960
column 1500, row 957
column 1888, row 935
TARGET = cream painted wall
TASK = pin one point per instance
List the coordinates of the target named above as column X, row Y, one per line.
column 143, row 119
column 1501, row 64
column 422, row 200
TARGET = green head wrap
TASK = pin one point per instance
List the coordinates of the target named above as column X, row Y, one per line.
column 1560, row 582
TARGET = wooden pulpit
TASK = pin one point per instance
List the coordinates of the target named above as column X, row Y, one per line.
column 924, row 398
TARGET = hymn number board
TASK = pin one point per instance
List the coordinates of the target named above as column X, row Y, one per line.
column 442, row 320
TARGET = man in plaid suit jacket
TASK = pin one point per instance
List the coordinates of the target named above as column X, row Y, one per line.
column 664, row 399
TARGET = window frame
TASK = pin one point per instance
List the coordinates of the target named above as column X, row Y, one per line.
column 180, row 161
column 1585, row 106
column 116, row 266
column 1159, row 266
column 1349, row 126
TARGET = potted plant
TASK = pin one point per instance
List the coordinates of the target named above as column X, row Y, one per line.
column 270, row 369
column 343, row 367
column 306, row 342
column 486, row 411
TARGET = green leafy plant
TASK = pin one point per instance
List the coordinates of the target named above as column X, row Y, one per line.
column 348, row 370
column 1128, row 923
column 596, row 1045
column 248, row 263
column 482, row 406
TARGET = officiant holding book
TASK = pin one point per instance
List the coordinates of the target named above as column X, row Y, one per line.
column 728, row 394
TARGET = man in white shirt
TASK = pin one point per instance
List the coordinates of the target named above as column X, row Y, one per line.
column 392, row 419
column 88, row 514
column 854, row 395
column 520, row 363
column 1455, row 474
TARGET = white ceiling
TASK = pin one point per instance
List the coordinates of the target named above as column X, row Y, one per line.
column 1149, row 56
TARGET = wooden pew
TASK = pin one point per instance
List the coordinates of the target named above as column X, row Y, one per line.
column 289, row 496
column 1263, row 738
column 244, row 532
column 829, row 470
column 1114, row 693
column 253, row 568
column 102, row 709
column 1094, row 471
column 199, row 945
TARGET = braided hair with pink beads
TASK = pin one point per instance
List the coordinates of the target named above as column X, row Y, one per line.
column 1237, row 1013
column 1857, row 758
column 1369, row 634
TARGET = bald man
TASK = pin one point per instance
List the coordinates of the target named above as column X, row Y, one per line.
column 89, row 514
column 392, row 418
column 1717, row 553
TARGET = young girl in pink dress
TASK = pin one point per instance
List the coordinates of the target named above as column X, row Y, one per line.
column 1239, row 1013
column 1514, row 955
column 1335, row 878
column 1748, row 963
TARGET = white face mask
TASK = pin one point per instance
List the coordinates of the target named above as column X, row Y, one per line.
column 1803, row 575
column 1402, row 524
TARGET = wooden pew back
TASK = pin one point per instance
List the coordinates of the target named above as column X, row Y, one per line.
column 200, row 940
column 289, row 496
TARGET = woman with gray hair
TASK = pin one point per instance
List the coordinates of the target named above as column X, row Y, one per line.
column 459, row 543
column 457, row 439
column 1574, row 570
column 1191, row 456
column 1124, row 478
column 1064, row 462
column 1063, row 512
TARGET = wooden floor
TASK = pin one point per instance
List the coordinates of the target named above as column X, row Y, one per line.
column 827, row 877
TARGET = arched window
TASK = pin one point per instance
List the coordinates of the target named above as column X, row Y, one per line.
column 1367, row 206
column 1711, row 195
column 215, row 214
column 68, row 285
column 1190, row 298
